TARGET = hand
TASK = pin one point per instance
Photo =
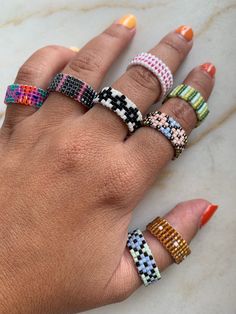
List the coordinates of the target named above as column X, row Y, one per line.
column 71, row 179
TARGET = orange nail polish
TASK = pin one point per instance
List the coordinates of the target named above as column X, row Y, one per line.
column 208, row 213
column 185, row 31
column 209, row 68
column 128, row 21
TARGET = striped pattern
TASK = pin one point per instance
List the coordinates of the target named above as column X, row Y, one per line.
column 73, row 88
column 169, row 238
column 193, row 98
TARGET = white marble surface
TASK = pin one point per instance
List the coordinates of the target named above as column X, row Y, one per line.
column 206, row 282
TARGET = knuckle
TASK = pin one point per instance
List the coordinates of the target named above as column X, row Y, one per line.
column 28, row 72
column 175, row 46
column 183, row 113
column 202, row 85
column 142, row 78
column 68, row 153
column 112, row 34
column 116, row 183
column 89, row 62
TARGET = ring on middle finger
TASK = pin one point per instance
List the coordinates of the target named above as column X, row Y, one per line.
column 157, row 67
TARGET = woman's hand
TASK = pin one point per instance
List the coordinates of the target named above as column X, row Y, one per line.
column 71, row 179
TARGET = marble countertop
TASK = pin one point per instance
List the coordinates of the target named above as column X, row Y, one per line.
column 206, row 282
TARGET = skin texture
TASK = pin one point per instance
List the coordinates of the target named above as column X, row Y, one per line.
column 70, row 180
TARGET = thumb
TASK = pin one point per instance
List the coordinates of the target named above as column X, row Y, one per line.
column 187, row 218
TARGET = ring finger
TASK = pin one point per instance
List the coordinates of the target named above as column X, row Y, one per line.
column 149, row 148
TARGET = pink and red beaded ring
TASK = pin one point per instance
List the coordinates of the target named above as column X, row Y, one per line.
column 159, row 69
column 25, row 95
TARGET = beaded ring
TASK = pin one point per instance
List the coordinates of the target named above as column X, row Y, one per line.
column 143, row 258
column 169, row 128
column 73, row 88
column 193, row 98
column 159, row 69
column 25, row 95
column 169, row 238
column 121, row 105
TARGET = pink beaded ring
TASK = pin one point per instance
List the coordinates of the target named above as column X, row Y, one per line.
column 159, row 69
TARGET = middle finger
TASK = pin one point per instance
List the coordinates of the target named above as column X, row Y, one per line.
column 140, row 85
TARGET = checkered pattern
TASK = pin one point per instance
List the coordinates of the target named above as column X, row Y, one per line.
column 158, row 68
column 121, row 105
column 169, row 128
column 193, row 98
column 25, row 95
column 73, row 88
column 142, row 255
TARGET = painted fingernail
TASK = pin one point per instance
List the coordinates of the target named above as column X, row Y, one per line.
column 209, row 68
column 75, row 49
column 185, row 31
column 128, row 21
column 208, row 213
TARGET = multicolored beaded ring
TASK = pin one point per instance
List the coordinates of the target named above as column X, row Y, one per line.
column 121, row 105
column 74, row 88
column 143, row 258
column 169, row 128
column 193, row 98
column 25, row 95
column 158, row 68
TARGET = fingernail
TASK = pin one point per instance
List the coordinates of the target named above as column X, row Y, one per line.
column 208, row 213
column 185, row 31
column 128, row 21
column 75, row 49
column 209, row 68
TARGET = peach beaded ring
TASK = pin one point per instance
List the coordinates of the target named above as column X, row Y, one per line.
column 169, row 128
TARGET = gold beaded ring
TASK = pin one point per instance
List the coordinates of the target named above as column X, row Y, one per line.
column 169, row 238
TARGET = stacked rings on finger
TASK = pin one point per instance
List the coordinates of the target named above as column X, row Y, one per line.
column 143, row 258
column 74, row 88
column 159, row 69
column 25, row 95
column 170, row 128
column 193, row 98
column 121, row 105
column 169, row 238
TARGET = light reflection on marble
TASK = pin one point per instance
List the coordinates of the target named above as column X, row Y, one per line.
column 206, row 282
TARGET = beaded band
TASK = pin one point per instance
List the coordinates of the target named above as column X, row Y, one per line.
column 25, row 95
column 193, row 98
column 73, row 88
column 143, row 259
column 121, row 105
column 157, row 67
column 169, row 238
column 169, row 128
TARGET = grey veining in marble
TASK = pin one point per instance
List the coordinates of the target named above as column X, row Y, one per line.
column 206, row 282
